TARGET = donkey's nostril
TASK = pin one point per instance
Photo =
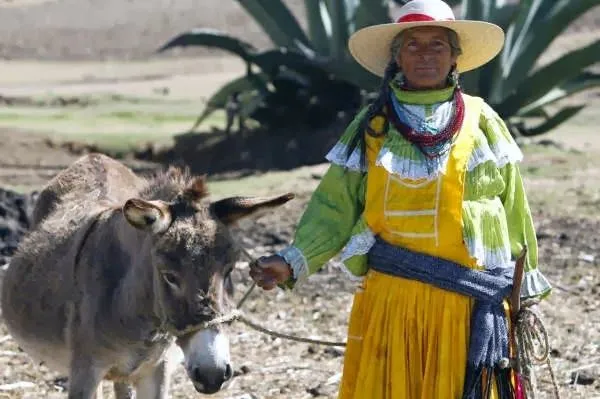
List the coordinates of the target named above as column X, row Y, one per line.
column 210, row 381
column 228, row 372
column 198, row 375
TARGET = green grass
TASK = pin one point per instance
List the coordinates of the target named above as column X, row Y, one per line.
column 20, row 189
column 114, row 123
column 105, row 109
column 557, row 180
column 19, row 116
column 299, row 181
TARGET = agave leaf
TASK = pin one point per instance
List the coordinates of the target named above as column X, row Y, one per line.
column 535, row 113
column 211, row 38
column 536, row 37
column 250, row 88
column 515, row 35
column 503, row 15
column 317, row 25
column 208, row 111
column 517, row 31
column 250, row 102
column 560, row 117
column 480, row 81
column 339, row 34
column 350, row 71
column 243, row 84
column 351, row 7
column 371, row 12
column 543, row 80
column 476, row 9
column 272, row 61
column 277, row 21
column 582, row 82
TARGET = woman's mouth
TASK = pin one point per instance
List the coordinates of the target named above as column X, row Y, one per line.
column 425, row 69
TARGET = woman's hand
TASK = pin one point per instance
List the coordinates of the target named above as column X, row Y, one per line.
column 270, row 271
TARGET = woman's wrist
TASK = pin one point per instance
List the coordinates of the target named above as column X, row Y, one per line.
column 293, row 256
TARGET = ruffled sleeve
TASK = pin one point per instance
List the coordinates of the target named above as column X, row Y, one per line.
column 328, row 221
column 333, row 214
column 354, row 255
column 338, row 155
column 506, row 154
column 503, row 148
column 521, row 231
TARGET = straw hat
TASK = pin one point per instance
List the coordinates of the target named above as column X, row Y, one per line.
column 480, row 41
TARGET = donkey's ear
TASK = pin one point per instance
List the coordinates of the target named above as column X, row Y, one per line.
column 152, row 216
column 230, row 210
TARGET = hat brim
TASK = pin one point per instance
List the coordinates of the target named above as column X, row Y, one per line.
column 480, row 42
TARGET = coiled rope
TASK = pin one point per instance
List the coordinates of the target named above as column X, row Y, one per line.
column 531, row 337
column 533, row 348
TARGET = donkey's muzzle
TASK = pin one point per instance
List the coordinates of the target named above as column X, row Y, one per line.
column 209, row 382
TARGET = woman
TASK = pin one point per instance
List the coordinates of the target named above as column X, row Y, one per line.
column 424, row 197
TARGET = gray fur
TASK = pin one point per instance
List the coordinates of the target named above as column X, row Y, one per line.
column 112, row 260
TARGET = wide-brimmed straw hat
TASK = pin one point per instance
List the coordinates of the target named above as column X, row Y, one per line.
column 480, row 41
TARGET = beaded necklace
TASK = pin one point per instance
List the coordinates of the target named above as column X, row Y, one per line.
column 431, row 144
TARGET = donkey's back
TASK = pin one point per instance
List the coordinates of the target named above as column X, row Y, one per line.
column 38, row 287
column 118, row 269
column 91, row 178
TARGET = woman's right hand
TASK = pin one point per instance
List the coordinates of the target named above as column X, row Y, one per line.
column 270, row 271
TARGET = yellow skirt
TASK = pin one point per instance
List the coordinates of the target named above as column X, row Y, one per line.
column 406, row 340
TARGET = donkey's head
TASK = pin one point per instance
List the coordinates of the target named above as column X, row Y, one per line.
column 192, row 255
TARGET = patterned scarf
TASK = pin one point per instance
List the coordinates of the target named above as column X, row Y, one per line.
column 433, row 134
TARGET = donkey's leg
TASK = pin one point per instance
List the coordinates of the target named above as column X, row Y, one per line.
column 84, row 380
column 99, row 392
column 123, row 390
column 155, row 384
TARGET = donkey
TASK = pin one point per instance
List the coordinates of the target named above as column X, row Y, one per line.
column 121, row 274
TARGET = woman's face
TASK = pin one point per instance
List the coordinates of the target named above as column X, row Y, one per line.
column 425, row 57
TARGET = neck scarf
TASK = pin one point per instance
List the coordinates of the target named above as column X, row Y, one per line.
column 432, row 134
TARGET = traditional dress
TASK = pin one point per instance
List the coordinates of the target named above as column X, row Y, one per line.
column 407, row 339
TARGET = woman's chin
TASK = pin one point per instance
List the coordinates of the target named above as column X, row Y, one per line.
column 429, row 85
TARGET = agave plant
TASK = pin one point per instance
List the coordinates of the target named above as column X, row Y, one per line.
column 311, row 76
column 308, row 77
column 513, row 83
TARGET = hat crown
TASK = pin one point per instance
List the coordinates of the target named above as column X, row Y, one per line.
column 425, row 10
column 480, row 41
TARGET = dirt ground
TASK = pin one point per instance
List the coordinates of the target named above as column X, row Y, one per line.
column 269, row 367
column 49, row 52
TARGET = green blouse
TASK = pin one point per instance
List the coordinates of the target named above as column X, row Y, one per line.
column 497, row 220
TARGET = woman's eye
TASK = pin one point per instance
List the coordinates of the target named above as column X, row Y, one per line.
column 439, row 45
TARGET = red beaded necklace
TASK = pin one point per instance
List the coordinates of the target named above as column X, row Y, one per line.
column 426, row 139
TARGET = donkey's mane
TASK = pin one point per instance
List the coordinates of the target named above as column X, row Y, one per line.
column 167, row 185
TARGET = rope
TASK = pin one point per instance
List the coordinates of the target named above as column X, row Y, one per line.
column 531, row 330
column 249, row 291
column 241, row 317
column 238, row 314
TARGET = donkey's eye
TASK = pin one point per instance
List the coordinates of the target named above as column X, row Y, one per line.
column 172, row 279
